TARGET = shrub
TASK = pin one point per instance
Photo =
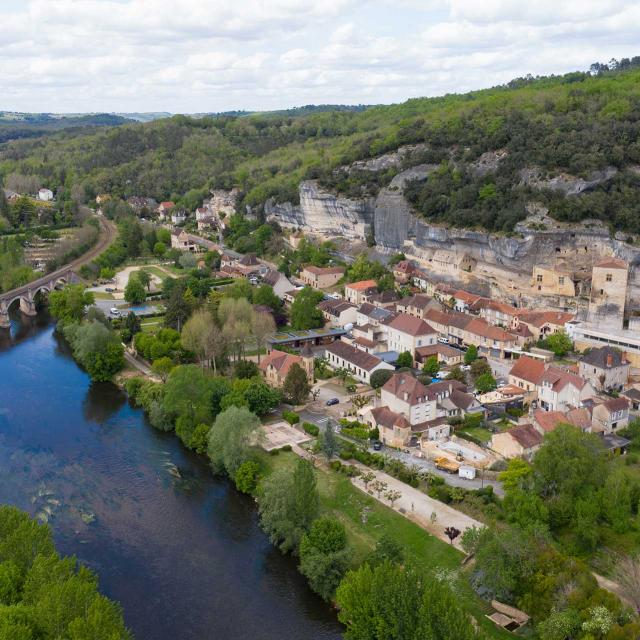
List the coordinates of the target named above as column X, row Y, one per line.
column 291, row 417
column 247, row 476
column 310, row 428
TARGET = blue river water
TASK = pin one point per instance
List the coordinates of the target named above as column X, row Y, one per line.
column 180, row 549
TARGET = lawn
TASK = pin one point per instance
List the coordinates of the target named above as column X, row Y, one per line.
column 366, row 520
column 484, row 435
column 102, row 295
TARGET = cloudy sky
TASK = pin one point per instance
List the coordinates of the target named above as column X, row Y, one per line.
column 216, row 55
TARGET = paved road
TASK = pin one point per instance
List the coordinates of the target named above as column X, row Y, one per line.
column 107, row 236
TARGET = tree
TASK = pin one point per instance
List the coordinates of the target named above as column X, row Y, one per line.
column 289, row 504
column 328, row 442
column 145, row 278
column 262, row 327
column 517, row 475
column 360, row 401
column 246, row 369
column 201, row 336
column 560, row 343
column 304, row 310
column 96, row 348
column 480, row 367
column 379, row 603
column 431, row 366
column 380, row 377
column 236, row 317
column 405, row 359
column 159, row 249
column 188, row 261
column 247, row 476
column 471, row 354
column 387, row 549
column 264, row 295
column 230, row 439
column 131, row 325
column 178, row 307
column 296, row 386
column 379, row 486
column 485, row 383
column 134, row 292
column 452, row 533
column 392, row 495
column 162, row 367
column 68, row 304
column 367, row 478
column 324, row 556
column 457, row 374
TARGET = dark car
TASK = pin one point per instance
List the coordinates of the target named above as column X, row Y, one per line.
column 109, row 289
column 377, row 445
column 331, row 401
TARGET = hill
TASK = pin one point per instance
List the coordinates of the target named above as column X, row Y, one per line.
column 14, row 125
column 570, row 143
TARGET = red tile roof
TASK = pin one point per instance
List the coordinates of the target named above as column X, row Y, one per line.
column 526, row 436
column 354, row 356
column 559, row 379
column 529, row 369
column 362, row 285
column 411, row 325
column 280, row 361
column 548, row 420
column 540, row 318
column 319, row 271
column 400, row 384
column 611, row 263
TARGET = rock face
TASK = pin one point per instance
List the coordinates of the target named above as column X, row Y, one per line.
column 324, row 213
column 567, row 184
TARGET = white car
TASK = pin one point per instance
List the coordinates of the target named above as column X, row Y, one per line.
column 443, row 340
column 114, row 312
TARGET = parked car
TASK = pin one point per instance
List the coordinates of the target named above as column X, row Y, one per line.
column 114, row 312
column 109, row 289
column 331, row 401
column 377, row 445
column 443, row 340
column 465, row 367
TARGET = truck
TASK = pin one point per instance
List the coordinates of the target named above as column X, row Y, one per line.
column 444, row 464
column 467, row 472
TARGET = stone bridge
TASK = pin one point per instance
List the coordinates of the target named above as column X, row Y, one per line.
column 26, row 294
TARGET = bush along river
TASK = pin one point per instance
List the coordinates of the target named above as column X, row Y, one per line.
column 180, row 549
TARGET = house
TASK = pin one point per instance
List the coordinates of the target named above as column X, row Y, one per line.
column 278, row 282
column 547, row 421
column 403, row 271
column 386, row 299
column 490, row 340
column 418, row 305
column 321, row 277
column 527, row 373
column 276, row 364
column 361, row 365
column 605, row 368
column 206, row 224
column 164, row 208
column 355, row 292
column 560, row 390
column 423, row 281
column 407, row 333
column 610, row 415
column 553, row 282
column 445, row 354
column 370, row 314
column 633, row 395
column 495, row 312
column 541, row 323
column 522, row 441
column 338, row 312
column 182, row 240
column 46, row 195
column 608, row 292
column 178, row 216
column 464, row 300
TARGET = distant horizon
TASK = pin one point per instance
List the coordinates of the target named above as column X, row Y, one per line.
column 206, row 56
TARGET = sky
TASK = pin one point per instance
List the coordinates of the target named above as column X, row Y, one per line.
column 193, row 56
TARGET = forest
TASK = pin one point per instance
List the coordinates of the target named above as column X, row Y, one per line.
column 572, row 125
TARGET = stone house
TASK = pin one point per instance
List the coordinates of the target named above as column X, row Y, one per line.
column 276, row 364
column 522, row 441
column 605, row 368
column 418, row 305
column 407, row 333
column 445, row 354
column 608, row 292
column 338, row 313
column 610, row 415
column 527, row 374
column 541, row 323
column 321, row 277
column 560, row 390
column 356, row 292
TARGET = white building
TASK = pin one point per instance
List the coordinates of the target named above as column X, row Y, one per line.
column 407, row 333
column 560, row 390
column 46, row 195
column 361, row 365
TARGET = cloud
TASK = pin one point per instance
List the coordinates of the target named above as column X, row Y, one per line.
column 213, row 55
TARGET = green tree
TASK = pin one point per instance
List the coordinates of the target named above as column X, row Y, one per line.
column 96, row 348
column 178, row 307
column 471, row 354
column 328, row 441
column 457, row 374
column 162, row 367
column 68, row 304
column 405, row 359
column 230, row 438
column 560, row 343
column 264, row 295
column 379, row 603
column 134, row 292
column 288, row 505
column 479, row 367
column 145, row 278
column 296, row 386
column 304, row 310
column 431, row 366
column 380, row 377
column 247, row 476
column 485, row 383
column 159, row 249
column 388, row 549
column 324, row 556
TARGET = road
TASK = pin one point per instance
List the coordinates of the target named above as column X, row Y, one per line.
column 107, row 236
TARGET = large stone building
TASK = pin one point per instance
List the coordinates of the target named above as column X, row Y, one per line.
column 276, row 365
column 605, row 368
column 608, row 292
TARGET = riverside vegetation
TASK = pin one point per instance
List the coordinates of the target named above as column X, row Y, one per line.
column 574, row 124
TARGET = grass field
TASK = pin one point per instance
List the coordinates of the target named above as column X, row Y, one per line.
column 366, row 520
column 483, row 435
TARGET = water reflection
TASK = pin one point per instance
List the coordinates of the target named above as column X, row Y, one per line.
column 180, row 549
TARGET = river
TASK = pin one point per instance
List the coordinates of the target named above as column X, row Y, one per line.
column 180, row 549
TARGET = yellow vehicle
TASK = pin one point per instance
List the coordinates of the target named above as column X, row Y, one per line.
column 444, row 464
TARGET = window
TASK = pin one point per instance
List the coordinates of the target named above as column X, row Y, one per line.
column 561, row 280
column 608, row 277
column 539, row 278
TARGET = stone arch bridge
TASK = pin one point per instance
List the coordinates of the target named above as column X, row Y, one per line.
column 26, row 295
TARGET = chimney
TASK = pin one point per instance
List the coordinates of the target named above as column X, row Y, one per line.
column 609, row 360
